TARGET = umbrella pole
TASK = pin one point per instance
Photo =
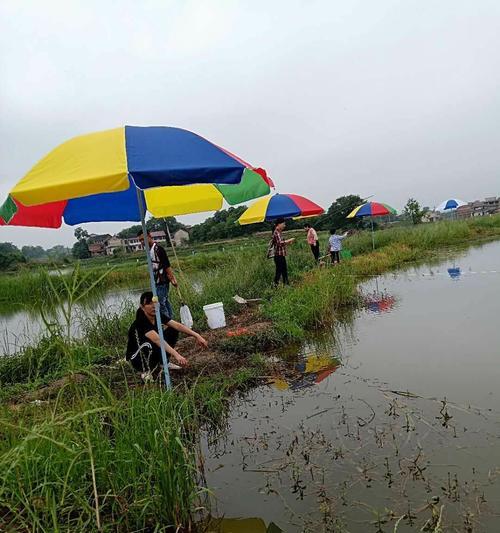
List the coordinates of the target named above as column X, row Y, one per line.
column 373, row 234
column 142, row 210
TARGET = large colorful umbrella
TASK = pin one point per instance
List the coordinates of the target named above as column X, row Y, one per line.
column 119, row 161
column 372, row 209
column 450, row 205
column 80, row 179
column 280, row 206
column 123, row 205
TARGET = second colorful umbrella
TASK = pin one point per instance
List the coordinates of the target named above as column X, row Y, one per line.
column 280, row 206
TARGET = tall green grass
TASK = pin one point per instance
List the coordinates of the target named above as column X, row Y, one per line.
column 102, row 465
column 428, row 236
column 29, row 289
column 95, row 461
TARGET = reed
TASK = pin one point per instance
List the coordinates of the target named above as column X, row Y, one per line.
column 96, row 461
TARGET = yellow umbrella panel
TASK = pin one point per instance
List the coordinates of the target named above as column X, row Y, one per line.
column 184, row 200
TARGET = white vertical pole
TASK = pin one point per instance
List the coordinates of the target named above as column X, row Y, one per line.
column 142, row 211
column 373, row 234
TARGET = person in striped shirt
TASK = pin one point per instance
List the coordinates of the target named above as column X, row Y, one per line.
column 280, row 248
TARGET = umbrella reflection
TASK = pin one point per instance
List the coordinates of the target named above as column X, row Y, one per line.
column 454, row 272
column 241, row 525
column 379, row 302
column 312, row 370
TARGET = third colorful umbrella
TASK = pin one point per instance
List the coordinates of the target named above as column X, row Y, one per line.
column 372, row 209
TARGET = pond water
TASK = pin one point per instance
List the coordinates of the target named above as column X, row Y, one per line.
column 393, row 420
column 19, row 327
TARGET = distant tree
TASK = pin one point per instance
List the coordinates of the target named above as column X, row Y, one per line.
column 80, row 249
column 33, row 252
column 58, row 252
column 159, row 224
column 129, row 232
column 10, row 256
column 118, row 252
column 224, row 225
column 413, row 211
column 336, row 216
column 81, row 234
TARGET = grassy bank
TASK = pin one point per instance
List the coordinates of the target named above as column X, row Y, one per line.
column 241, row 262
column 321, row 292
column 106, row 453
column 28, row 288
column 96, row 461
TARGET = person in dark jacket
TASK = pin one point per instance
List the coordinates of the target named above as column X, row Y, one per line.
column 143, row 345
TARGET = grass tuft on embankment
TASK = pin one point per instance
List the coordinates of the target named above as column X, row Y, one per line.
column 95, row 461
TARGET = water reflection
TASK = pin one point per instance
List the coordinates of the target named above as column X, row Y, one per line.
column 309, row 371
column 454, row 272
column 380, row 303
column 241, row 525
column 405, row 435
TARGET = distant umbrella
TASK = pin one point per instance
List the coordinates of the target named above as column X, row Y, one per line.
column 450, row 205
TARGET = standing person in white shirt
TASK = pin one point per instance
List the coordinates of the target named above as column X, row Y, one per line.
column 335, row 245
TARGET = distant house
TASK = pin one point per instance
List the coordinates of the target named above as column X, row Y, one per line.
column 464, row 211
column 96, row 249
column 492, row 205
column 479, row 208
column 97, row 244
column 158, row 236
column 431, row 216
column 133, row 244
column 113, row 244
column 180, row 237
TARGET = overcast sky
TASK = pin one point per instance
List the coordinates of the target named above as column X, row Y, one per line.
column 391, row 98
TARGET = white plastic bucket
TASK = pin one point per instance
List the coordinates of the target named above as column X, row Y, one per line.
column 215, row 315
